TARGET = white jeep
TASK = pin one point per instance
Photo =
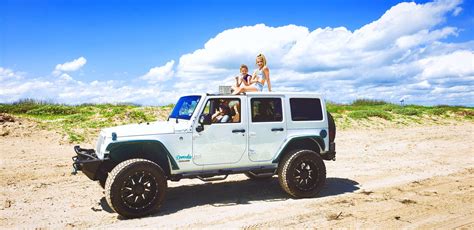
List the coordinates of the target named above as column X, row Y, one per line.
column 210, row 136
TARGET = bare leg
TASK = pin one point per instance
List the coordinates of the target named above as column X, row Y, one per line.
column 249, row 88
column 237, row 90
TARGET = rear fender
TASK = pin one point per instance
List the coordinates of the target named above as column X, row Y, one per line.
column 313, row 142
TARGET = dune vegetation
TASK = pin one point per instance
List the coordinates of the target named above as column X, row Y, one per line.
column 81, row 123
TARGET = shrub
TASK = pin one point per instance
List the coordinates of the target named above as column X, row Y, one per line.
column 111, row 112
column 468, row 114
column 389, row 107
column 438, row 111
column 53, row 110
column 368, row 102
column 75, row 137
column 77, row 118
column 139, row 116
column 408, row 111
column 449, row 107
column 364, row 114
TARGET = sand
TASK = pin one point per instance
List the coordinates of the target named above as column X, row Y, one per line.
column 412, row 177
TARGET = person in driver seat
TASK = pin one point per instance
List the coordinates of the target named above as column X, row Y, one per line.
column 222, row 114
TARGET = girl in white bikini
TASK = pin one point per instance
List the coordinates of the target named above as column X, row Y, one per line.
column 260, row 76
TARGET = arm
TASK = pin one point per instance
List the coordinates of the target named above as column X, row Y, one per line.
column 214, row 116
column 238, row 82
column 236, row 110
column 236, row 117
column 266, row 71
column 247, row 83
column 255, row 79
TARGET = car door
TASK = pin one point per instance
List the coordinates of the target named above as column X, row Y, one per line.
column 221, row 142
column 267, row 127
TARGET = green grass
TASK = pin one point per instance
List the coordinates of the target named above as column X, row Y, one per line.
column 368, row 102
column 364, row 114
column 408, row 111
column 364, row 110
column 81, row 123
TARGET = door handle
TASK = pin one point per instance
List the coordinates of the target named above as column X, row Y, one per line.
column 277, row 129
column 238, row 131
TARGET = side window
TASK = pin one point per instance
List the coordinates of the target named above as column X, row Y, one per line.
column 266, row 109
column 223, row 110
column 306, row 109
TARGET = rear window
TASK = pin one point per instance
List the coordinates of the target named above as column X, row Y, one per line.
column 306, row 109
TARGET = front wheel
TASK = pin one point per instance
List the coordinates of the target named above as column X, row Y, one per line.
column 302, row 173
column 136, row 188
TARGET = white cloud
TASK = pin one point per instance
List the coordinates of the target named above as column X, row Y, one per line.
column 159, row 74
column 457, row 11
column 424, row 37
column 65, row 77
column 421, row 85
column 456, row 64
column 8, row 74
column 71, row 66
column 223, row 54
column 386, row 59
column 400, row 55
column 402, row 19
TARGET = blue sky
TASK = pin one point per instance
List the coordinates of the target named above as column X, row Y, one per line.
column 150, row 52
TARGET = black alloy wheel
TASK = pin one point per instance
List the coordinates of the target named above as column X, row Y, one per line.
column 305, row 175
column 136, row 188
column 302, row 173
column 139, row 190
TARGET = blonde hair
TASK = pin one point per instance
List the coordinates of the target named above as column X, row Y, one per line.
column 243, row 66
column 264, row 60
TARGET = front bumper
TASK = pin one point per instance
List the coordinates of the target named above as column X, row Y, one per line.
column 86, row 161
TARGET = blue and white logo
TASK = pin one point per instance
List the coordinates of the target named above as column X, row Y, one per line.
column 184, row 157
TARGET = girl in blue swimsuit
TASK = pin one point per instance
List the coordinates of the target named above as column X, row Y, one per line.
column 244, row 77
column 259, row 77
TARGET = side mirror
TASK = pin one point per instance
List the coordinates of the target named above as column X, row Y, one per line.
column 205, row 119
column 199, row 128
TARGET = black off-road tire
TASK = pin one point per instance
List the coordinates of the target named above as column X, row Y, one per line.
column 136, row 188
column 265, row 176
column 101, row 182
column 302, row 173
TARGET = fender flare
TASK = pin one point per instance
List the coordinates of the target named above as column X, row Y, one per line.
column 316, row 138
column 121, row 150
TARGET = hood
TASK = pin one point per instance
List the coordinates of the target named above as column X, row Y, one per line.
column 152, row 128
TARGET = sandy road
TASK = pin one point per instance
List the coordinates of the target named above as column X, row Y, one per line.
column 394, row 177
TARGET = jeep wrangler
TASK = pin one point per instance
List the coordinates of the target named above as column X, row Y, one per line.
column 208, row 137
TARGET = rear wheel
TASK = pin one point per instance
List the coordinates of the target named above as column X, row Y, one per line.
column 302, row 173
column 136, row 188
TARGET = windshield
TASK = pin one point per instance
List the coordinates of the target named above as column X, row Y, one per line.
column 185, row 107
